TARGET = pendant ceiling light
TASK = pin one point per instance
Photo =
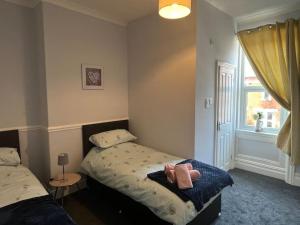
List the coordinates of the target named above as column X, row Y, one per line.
column 174, row 9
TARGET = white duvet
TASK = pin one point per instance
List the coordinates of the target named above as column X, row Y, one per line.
column 124, row 167
column 17, row 183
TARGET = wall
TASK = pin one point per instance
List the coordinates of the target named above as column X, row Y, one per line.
column 82, row 39
column 162, row 67
column 258, row 152
column 215, row 41
column 43, row 155
column 18, row 92
column 70, row 39
column 19, row 87
column 41, row 89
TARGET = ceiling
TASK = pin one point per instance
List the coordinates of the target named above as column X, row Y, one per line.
column 122, row 10
column 117, row 11
column 239, row 8
column 125, row 11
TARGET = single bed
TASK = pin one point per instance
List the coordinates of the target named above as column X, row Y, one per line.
column 108, row 173
column 23, row 199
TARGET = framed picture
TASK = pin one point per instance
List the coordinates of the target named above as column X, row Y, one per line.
column 92, row 77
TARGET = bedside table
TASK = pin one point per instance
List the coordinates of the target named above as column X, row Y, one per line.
column 70, row 180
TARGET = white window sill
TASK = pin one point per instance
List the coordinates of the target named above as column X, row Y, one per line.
column 256, row 136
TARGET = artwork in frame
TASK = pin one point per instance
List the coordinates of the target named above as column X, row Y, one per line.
column 92, row 77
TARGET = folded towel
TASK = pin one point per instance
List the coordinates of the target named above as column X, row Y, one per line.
column 189, row 166
column 183, row 177
column 195, row 175
column 170, row 166
column 171, row 176
column 212, row 181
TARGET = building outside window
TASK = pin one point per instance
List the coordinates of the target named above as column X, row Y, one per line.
column 255, row 98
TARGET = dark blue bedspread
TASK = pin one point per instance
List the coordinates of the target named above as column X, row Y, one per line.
column 212, row 181
column 36, row 211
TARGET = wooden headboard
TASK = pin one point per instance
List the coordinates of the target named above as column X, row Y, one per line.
column 88, row 130
column 10, row 139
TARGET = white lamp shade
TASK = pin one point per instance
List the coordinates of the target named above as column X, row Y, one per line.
column 174, row 9
column 63, row 159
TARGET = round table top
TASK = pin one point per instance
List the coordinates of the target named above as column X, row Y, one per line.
column 70, row 179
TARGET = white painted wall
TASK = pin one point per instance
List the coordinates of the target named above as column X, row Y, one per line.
column 41, row 85
column 40, row 64
column 20, row 82
column 70, row 39
column 215, row 41
column 18, row 92
column 162, row 67
column 257, row 153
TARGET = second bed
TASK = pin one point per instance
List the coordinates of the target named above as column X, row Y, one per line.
column 123, row 168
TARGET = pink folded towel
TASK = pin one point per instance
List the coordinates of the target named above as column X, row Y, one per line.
column 189, row 166
column 195, row 175
column 170, row 166
column 183, row 177
column 171, row 176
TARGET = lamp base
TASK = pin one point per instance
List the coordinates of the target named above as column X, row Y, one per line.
column 60, row 177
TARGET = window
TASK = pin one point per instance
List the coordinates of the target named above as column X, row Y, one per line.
column 255, row 99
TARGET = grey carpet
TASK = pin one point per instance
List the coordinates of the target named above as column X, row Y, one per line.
column 253, row 200
column 259, row 200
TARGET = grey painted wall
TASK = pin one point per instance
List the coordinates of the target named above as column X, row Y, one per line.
column 71, row 39
column 162, row 68
column 20, row 75
column 43, row 49
column 215, row 41
column 40, row 64
column 19, row 84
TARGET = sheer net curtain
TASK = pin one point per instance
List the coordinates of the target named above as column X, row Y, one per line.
column 274, row 53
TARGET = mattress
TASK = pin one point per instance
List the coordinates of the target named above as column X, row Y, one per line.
column 124, row 167
column 17, row 183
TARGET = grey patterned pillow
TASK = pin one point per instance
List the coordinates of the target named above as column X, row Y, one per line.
column 110, row 138
column 9, row 157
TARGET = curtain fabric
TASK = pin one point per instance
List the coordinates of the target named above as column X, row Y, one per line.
column 274, row 53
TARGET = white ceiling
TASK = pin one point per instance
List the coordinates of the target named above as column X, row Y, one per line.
column 124, row 11
column 239, row 8
column 117, row 11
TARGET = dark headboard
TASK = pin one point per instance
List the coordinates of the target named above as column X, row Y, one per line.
column 88, row 130
column 10, row 139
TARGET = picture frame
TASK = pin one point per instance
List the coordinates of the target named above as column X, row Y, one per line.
column 92, row 77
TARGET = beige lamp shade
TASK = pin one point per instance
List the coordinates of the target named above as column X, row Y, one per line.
column 174, row 9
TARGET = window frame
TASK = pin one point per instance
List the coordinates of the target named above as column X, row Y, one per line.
column 243, row 102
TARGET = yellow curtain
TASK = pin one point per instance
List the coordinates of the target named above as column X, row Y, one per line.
column 274, row 53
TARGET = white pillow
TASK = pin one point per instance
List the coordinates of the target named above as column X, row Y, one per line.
column 111, row 138
column 9, row 157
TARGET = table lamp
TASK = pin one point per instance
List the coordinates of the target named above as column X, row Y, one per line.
column 63, row 159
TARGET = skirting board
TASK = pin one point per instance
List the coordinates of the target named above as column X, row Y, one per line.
column 260, row 168
column 296, row 180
